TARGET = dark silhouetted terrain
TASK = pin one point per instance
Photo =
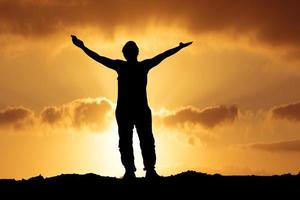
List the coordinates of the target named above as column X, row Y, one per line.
column 189, row 185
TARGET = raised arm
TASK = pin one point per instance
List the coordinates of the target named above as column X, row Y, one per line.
column 101, row 59
column 160, row 57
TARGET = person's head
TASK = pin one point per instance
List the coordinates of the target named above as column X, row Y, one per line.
column 130, row 51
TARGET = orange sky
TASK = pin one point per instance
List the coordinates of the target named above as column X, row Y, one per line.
column 229, row 103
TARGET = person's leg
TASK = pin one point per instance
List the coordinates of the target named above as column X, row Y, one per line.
column 147, row 143
column 125, row 129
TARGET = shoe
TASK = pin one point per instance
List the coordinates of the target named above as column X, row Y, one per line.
column 152, row 175
column 129, row 176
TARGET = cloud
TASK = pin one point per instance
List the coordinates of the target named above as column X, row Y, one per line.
column 16, row 117
column 96, row 115
column 93, row 114
column 290, row 112
column 283, row 146
column 273, row 22
column 52, row 115
column 208, row 117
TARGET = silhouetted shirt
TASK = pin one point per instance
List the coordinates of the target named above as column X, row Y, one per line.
column 132, row 83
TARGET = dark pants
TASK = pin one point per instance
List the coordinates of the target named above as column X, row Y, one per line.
column 142, row 120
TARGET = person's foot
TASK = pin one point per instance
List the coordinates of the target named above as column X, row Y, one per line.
column 129, row 176
column 152, row 175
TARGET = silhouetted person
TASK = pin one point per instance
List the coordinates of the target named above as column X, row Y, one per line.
column 132, row 105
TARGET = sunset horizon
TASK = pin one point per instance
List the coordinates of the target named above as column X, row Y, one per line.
column 228, row 104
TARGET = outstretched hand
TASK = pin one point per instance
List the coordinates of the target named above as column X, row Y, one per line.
column 182, row 45
column 77, row 41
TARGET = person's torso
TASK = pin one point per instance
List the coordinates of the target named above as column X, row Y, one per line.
column 132, row 85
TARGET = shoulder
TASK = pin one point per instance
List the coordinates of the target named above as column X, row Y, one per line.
column 146, row 62
column 119, row 62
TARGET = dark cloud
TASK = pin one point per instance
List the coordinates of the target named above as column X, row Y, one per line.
column 289, row 112
column 209, row 117
column 16, row 117
column 283, row 146
column 93, row 114
column 274, row 22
